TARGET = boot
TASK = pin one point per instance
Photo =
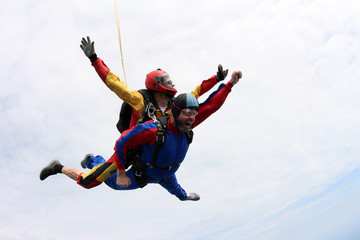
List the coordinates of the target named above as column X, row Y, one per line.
column 85, row 160
column 50, row 169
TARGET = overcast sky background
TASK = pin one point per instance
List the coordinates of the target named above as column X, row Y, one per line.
column 279, row 160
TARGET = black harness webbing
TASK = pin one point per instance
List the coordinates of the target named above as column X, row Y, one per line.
column 161, row 125
column 150, row 106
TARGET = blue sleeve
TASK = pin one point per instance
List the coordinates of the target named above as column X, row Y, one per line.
column 133, row 138
column 213, row 93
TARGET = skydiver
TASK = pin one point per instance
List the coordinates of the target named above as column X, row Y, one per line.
column 158, row 83
column 184, row 116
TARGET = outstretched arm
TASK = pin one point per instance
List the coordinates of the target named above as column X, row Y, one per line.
column 134, row 98
column 206, row 85
column 216, row 99
column 173, row 187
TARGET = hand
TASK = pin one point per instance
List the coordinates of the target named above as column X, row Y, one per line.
column 221, row 74
column 236, row 75
column 87, row 46
column 122, row 180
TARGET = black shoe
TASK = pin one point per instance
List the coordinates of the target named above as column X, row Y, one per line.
column 49, row 169
column 86, row 158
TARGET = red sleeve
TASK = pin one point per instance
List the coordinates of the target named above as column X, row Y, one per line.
column 212, row 104
column 134, row 138
column 101, row 69
column 206, row 85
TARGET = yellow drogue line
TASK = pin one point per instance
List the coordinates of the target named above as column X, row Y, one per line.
column 118, row 29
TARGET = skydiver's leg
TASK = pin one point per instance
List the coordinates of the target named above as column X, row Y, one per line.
column 55, row 167
column 99, row 173
column 72, row 173
column 174, row 188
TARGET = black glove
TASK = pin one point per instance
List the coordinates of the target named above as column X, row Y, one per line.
column 221, row 74
column 88, row 47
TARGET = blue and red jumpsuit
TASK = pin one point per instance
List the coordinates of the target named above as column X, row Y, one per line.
column 173, row 152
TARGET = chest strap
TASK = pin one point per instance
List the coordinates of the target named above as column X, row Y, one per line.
column 161, row 125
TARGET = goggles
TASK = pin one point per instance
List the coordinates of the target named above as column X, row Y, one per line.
column 164, row 80
column 189, row 111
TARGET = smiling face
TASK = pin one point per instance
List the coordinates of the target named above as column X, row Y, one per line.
column 185, row 120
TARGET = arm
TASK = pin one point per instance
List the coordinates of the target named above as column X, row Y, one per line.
column 216, row 99
column 133, row 138
column 134, row 98
column 206, row 85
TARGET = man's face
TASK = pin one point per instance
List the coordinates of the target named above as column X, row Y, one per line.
column 186, row 119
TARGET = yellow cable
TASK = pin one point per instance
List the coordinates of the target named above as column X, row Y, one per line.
column 118, row 29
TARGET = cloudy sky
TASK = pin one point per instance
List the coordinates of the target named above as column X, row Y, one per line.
column 280, row 160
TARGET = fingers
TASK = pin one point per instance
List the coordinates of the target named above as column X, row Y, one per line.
column 225, row 72
column 236, row 75
column 220, row 68
column 86, row 41
column 124, row 185
column 123, row 181
column 222, row 71
column 83, row 41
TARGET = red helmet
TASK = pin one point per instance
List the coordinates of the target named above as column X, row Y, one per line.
column 155, row 80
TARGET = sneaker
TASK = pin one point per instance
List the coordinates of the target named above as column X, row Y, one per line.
column 85, row 160
column 49, row 169
column 192, row 197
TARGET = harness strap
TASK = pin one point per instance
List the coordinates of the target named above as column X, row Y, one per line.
column 160, row 141
column 139, row 167
column 150, row 106
column 161, row 124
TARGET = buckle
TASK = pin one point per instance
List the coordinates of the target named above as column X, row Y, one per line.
column 138, row 173
column 149, row 165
